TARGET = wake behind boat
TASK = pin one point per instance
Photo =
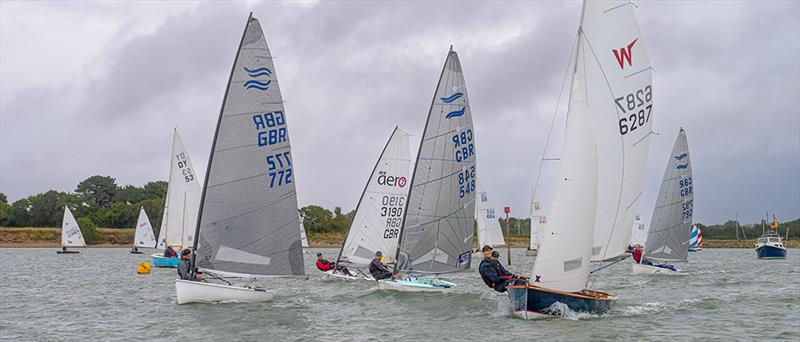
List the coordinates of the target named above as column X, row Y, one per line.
column 247, row 223
column 602, row 165
column 437, row 226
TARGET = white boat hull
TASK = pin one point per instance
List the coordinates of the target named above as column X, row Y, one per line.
column 648, row 269
column 202, row 292
column 342, row 276
column 416, row 285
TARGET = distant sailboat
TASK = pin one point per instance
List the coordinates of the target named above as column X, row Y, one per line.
column 437, row 229
column 667, row 239
column 181, row 205
column 605, row 148
column 71, row 235
column 379, row 213
column 247, row 223
column 538, row 221
column 489, row 230
column 696, row 239
column 143, row 235
column 303, row 238
column 770, row 245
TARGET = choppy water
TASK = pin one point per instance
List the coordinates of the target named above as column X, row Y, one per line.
column 727, row 295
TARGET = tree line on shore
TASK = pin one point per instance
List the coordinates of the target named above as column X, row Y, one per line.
column 100, row 201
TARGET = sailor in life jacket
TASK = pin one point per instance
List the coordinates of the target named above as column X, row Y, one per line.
column 325, row 265
column 493, row 273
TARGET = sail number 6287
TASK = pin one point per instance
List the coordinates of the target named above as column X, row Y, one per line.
column 636, row 108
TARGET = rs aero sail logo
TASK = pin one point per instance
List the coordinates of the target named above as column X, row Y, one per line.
column 255, row 74
column 384, row 179
column 449, row 100
column 624, row 54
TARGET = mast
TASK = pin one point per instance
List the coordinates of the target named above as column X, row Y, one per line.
column 213, row 146
column 369, row 180
column 183, row 221
column 416, row 163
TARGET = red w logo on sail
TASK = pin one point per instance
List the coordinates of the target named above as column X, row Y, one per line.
column 624, row 54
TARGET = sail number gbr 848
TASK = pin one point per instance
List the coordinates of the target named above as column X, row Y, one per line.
column 636, row 108
column 271, row 128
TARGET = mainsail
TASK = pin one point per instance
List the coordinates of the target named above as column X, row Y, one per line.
column 379, row 213
column 489, row 230
column 667, row 239
column 437, row 231
column 143, row 236
column 538, row 221
column 183, row 199
column 247, row 223
column 71, row 235
column 619, row 97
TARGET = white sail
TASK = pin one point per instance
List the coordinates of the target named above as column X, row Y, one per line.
column 668, row 238
column 303, row 238
column 566, row 240
column 440, row 212
column 538, row 221
column 619, row 95
column 248, row 216
column 639, row 233
column 71, row 235
column 143, row 236
column 489, row 230
column 183, row 198
column 379, row 214
column 161, row 242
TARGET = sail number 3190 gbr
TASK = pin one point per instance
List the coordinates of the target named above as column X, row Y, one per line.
column 636, row 108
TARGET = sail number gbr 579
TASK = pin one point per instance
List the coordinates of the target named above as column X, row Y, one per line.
column 635, row 108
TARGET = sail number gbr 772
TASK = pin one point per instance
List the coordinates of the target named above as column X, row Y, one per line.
column 636, row 108
column 271, row 128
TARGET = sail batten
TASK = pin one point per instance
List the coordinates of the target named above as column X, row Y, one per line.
column 248, row 215
column 436, row 235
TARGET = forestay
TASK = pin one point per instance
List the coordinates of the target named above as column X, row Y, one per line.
column 183, row 199
column 619, row 98
column 489, row 230
column 248, row 218
column 71, row 235
column 668, row 238
column 143, row 235
column 379, row 213
column 565, row 244
column 438, row 228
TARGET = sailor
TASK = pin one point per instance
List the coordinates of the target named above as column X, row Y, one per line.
column 377, row 269
column 184, row 267
column 637, row 254
column 498, row 267
column 135, row 249
column 169, row 252
column 493, row 273
column 325, row 265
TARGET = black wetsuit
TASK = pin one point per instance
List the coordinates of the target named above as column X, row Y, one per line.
column 379, row 271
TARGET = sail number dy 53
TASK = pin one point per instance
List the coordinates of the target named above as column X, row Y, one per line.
column 636, row 108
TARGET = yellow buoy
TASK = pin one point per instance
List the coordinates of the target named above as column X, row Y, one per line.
column 143, row 268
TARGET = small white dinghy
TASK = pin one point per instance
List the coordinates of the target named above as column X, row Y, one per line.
column 71, row 235
column 204, row 292
column 249, row 197
column 415, row 284
column 671, row 225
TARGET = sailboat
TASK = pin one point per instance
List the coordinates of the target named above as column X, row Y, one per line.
column 604, row 151
column 143, row 236
column 538, row 221
column 378, row 217
column 71, row 235
column 303, row 238
column 247, row 223
column 672, row 218
column 489, row 230
column 696, row 239
column 181, row 205
column 437, row 227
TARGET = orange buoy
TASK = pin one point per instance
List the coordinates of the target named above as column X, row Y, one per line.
column 143, row 268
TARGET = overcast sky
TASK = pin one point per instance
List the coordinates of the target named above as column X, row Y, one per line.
column 96, row 88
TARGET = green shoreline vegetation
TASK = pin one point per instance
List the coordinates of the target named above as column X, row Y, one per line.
column 98, row 201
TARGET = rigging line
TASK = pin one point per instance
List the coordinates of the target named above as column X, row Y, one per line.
column 552, row 123
column 609, row 265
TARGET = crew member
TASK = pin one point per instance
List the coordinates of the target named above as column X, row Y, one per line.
column 493, row 273
column 325, row 265
column 377, row 269
column 184, row 266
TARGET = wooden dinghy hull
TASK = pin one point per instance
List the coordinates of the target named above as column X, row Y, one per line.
column 533, row 302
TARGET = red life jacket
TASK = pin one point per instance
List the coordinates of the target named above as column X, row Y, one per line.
column 324, row 265
column 637, row 255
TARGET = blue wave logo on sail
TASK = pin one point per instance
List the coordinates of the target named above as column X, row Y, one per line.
column 258, row 72
column 257, row 84
column 680, row 157
column 456, row 113
column 682, row 166
column 452, row 98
